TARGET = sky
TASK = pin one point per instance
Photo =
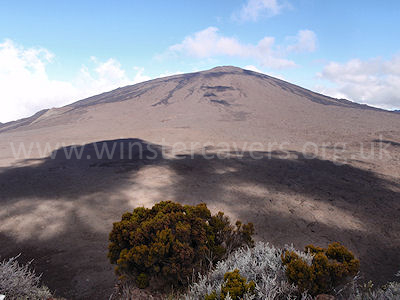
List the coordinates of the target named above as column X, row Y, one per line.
column 53, row 53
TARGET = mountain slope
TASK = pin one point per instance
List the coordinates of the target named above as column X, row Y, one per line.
column 193, row 87
column 259, row 107
column 303, row 167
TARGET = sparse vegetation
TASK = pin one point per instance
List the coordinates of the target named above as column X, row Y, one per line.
column 367, row 291
column 330, row 268
column 266, row 268
column 20, row 282
column 170, row 242
column 261, row 265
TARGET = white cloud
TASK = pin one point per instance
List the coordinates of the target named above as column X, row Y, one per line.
column 26, row 88
column 139, row 77
column 304, row 41
column 253, row 10
column 375, row 82
column 255, row 69
column 210, row 43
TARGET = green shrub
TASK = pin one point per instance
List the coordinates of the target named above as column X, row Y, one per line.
column 330, row 268
column 234, row 285
column 170, row 242
column 142, row 281
column 212, row 296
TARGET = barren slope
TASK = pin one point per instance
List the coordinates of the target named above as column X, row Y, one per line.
column 59, row 211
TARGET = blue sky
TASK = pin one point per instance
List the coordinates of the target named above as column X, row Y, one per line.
column 56, row 52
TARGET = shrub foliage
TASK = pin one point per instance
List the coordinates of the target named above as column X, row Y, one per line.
column 261, row 265
column 329, row 268
column 20, row 282
column 170, row 242
column 235, row 286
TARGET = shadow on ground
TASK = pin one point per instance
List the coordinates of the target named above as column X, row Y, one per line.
column 58, row 210
column 387, row 142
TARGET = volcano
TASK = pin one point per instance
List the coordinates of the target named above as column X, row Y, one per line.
column 303, row 167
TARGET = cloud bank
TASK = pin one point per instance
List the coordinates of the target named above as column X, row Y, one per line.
column 253, row 10
column 375, row 82
column 209, row 43
column 26, row 88
column 304, row 41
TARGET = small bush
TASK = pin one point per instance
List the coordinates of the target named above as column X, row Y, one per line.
column 170, row 242
column 235, row 286
column 142, row 281
column 128, row 291
column 329, row 268
column 389, row 291
column 20, row 282
column 261, row 265
column 367, row 291
column 212, row 296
